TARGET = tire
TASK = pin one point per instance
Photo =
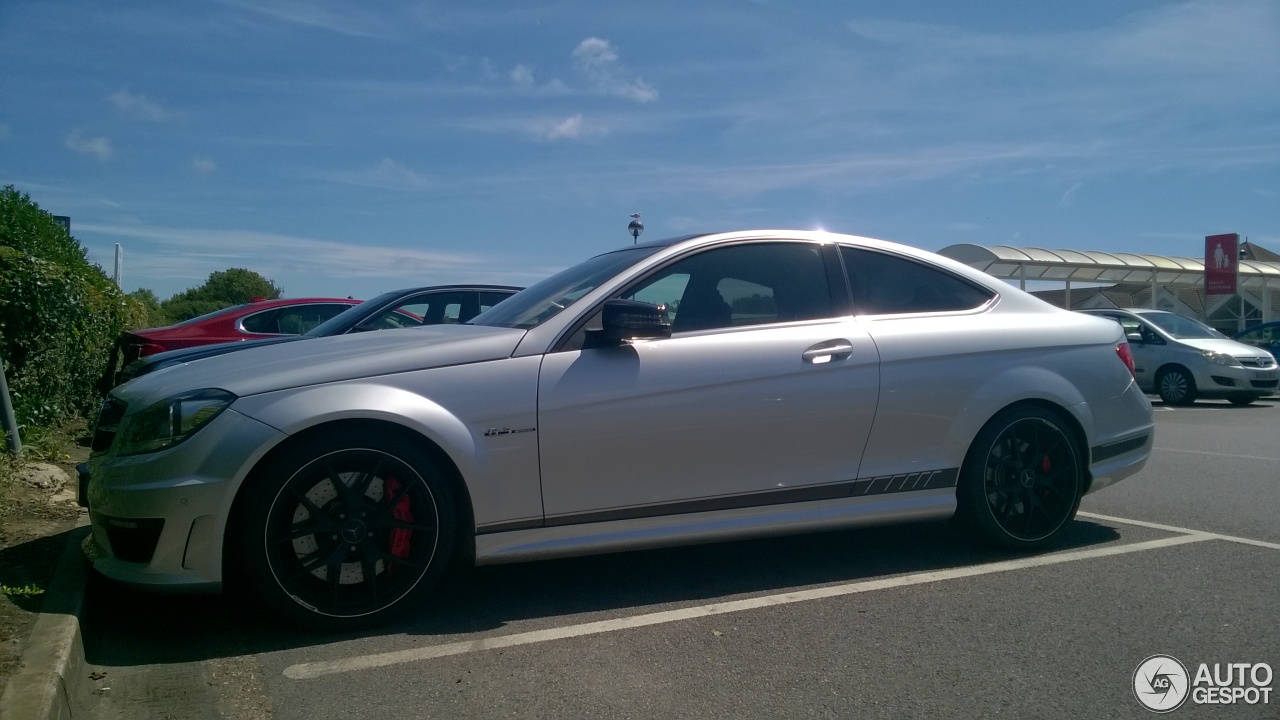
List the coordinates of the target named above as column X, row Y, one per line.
column 1242, row 400
column 1022, row 479
column 1176, row 387
column 346, row 529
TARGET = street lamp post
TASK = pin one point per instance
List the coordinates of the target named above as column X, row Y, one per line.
column 635, row 227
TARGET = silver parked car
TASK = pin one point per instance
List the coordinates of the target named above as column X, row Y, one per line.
column 1183, row 359
column 691, row 390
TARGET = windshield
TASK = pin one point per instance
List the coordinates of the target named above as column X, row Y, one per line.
column 347, row 318
column 535, row 305
column 1181, row 328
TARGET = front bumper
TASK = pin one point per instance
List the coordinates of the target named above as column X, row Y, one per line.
column 158, row 519
column 1219, row 381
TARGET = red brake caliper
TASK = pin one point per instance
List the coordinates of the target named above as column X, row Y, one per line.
column 399, row 536
column 1045, row 467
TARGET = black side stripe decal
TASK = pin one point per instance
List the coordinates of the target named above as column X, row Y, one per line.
column 908, row 482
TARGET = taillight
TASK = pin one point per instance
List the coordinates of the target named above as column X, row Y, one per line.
column 1126, row 357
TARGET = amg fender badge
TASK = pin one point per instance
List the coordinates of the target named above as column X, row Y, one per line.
column 493, row 431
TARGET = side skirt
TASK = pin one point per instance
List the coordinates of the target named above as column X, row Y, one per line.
column 715, row 526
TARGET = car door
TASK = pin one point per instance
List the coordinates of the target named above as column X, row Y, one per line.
column 1148, row 348
column 764, row 393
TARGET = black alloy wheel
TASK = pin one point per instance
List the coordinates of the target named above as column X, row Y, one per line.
column 346, row 537
column 1023, row 478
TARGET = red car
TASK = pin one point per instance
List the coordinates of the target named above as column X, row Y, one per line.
column 252, row 320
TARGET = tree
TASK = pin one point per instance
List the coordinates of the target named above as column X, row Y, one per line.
column 144, row 310
column 25, row 227
column 59, row 315
column 233, row 286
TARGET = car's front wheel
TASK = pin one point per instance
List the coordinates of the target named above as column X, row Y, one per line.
column 346, row 528
column 1022, row 479
column 1176, row 387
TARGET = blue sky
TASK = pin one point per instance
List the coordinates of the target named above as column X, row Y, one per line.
column 351, row 148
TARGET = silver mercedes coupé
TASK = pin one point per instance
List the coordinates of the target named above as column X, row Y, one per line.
column 690, row 390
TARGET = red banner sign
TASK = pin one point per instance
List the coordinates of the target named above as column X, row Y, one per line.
column 1221, row 263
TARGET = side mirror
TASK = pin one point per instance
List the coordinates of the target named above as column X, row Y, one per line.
column 1134, row 338
column 622, row 320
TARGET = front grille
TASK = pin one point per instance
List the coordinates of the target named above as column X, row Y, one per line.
column 104, row 431
column 132, row 540
column 1265, row 384
column 1257, row 362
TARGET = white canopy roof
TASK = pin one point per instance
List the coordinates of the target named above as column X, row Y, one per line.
column 1088, row 266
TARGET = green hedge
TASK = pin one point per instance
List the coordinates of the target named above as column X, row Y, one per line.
column 59, row 315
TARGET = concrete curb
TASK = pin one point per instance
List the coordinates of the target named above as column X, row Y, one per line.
column 49, row 684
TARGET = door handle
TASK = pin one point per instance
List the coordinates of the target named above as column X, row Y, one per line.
column 825, row 352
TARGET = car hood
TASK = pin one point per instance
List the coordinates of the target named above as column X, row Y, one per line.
column 323, row 360
column 1223, row 345
column 159, row 361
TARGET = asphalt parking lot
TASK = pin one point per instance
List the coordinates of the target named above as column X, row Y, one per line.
column 906, row 621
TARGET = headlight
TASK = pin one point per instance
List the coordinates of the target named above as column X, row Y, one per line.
column 1218, row 358
column 173, row 420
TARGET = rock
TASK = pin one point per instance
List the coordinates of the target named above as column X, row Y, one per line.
column 43, row 476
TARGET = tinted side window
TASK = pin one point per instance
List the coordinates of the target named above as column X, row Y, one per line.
column 740, row 285
column 426, row 309
column 885, row 284
column 263, row 322
column 299, row 319
column 488, row 299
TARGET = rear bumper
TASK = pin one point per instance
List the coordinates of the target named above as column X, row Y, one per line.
column 1126, row 435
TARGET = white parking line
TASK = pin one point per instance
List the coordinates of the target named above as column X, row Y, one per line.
column 304, row 671
column 1174, row 528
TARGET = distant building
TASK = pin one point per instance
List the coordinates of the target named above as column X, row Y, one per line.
column 1092, row 279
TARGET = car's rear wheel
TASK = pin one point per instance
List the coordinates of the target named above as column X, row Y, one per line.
column 1022, row 479
column 1176, row 387
column 346, row 528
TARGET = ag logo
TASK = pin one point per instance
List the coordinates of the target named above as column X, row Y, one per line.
column 1161, row 683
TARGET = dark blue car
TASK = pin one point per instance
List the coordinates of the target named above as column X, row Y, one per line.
column 1265, row 336
column 435, row 305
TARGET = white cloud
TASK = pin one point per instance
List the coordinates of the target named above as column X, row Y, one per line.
column 522, row 75
column 1069, row 197
column 139, row 106
column 159, row 256
column 573, row 127
column 204, row 166
column 597, row 60
column 308, row 13
column 386, row 175
column 98, row 147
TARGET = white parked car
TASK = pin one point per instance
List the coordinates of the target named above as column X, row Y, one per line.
column 1183, row 359
column 690, row 390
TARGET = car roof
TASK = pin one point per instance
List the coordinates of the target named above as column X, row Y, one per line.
column 278, row 302
column 456, row 286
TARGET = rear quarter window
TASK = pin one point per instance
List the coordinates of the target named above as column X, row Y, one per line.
column 884, row 284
